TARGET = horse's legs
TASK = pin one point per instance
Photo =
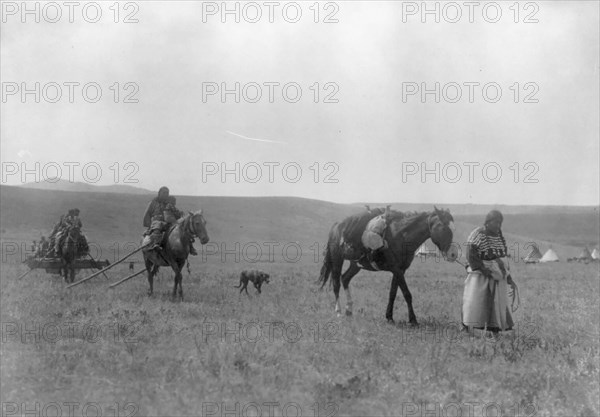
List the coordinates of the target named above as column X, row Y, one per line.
column 336, row 272
column 64, row 270
column 151, row 270
column 180, row 281
column 346, row 277
column 177, row 267
column 408, row 297
column 175, row 285
column 389, row 314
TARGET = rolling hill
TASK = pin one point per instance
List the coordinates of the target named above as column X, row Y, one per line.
column 117, row 217
column 64, row 185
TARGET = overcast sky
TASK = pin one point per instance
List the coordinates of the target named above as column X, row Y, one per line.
column 372, row 140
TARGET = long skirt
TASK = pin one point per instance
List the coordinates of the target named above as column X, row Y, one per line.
column 485, row 301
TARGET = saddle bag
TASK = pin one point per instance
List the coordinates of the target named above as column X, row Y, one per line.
column 372, row 236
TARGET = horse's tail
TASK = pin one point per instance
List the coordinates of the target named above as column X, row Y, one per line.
column 327, row 257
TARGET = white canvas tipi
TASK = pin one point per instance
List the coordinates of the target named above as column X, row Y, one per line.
column 595, row 254
column 424, row 251
column 549, row 256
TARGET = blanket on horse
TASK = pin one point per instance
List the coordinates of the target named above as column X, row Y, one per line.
column 353, row 227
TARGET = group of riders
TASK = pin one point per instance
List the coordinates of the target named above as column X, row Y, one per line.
column 51, row 247
column 160, row 215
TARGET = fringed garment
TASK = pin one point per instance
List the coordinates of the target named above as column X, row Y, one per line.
column 485, row 301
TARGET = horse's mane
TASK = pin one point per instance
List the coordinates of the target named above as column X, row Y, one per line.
column 184, row 221
column 407, row 220
column 396, row 215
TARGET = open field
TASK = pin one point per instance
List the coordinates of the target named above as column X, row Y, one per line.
column 120, row 352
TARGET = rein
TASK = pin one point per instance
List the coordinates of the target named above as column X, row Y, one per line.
column 387, row 225
column 429, row 223
column 189, row 226
column 185, row 227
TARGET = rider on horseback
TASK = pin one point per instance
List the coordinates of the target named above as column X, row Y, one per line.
column 70, row 221
column 160, row 214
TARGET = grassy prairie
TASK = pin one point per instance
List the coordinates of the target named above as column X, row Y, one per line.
column 93, row 351
column 285, row 351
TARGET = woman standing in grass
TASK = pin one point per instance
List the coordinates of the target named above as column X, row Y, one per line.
column 485, row 301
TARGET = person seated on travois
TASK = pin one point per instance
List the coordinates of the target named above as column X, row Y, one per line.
column 42, row 248
column 59, row 231
column 160, row 214
column 55, row 230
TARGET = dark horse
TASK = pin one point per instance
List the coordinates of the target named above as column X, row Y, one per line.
column 71, row 248
column 176, row 249
column 404, row 234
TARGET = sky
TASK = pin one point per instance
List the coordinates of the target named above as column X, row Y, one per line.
column 323, row 99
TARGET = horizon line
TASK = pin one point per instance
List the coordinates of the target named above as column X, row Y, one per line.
column 23, row 186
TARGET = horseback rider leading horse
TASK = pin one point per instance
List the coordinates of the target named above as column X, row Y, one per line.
column 160, row 214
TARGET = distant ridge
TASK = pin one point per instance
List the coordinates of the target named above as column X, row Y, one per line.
column 478, row 209
column 64, row 185
column 117, row 217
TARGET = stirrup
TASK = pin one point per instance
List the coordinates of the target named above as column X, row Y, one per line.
column 370, row 256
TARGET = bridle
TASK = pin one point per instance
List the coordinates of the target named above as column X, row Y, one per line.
column 429, row 223
column 191, row 227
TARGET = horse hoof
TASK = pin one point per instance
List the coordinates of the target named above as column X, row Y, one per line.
column 390, row 320
column 149, row 293
column 413, row 324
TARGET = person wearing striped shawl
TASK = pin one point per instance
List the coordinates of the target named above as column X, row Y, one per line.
column 485, row 301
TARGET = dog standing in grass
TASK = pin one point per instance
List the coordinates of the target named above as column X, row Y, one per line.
column 257, row 278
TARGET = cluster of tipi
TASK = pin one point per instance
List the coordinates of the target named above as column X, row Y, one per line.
column 536, row 256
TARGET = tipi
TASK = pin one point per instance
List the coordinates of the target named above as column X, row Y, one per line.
column 584, row 255
column 425, row 251
column 534, row 256
column 595, row 254
column 549, row 256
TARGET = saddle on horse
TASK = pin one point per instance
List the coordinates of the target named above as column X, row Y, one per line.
column 371, row 228
column 158, row 234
